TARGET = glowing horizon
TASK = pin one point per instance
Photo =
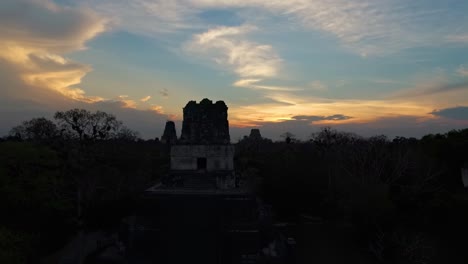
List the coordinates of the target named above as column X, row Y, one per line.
column 370, row 67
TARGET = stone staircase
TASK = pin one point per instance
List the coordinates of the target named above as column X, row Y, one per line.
column 199, row 182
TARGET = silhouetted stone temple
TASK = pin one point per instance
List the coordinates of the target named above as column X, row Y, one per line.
column 169, row 136
column 255, row 134
column 204, row 154
column 200, row 212
column 205, row 123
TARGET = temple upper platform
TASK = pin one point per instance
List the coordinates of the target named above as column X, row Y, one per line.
column 205, row 123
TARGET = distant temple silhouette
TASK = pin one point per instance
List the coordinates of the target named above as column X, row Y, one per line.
column 169, row 136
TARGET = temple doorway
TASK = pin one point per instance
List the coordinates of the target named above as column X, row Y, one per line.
column 201, row 163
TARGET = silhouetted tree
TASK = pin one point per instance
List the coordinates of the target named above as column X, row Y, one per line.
column 127, row 134
column 82, row 124
column 35, row 129
column 288, row 137
column 328, row 136
column 73, row 122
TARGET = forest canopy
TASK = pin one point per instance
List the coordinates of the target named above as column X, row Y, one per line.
column 77, row 124
column 83, row 170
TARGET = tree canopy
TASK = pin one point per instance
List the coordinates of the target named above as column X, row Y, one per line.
column 35, row 129
column 83, row 124
column 79, row 124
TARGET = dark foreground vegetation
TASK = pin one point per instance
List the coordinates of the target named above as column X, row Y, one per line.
column 402, row 200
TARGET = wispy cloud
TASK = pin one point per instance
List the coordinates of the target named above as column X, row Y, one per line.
column 313, row 118
column 164, row 92
column 462, row 71
column 230, row 47
column 385, row 81
column 432, row 89
column 145, row 99
column 366, row 27
column 318, row 86
column 254, row 84
column 250, row 61
column 463, row 38
column 148, row 17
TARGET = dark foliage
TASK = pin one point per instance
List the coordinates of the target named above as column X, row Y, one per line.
column 398, row 194
column 403, row 197
column 36, row 129
column 54, row 183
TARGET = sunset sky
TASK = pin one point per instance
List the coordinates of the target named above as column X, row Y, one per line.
column 393, row 67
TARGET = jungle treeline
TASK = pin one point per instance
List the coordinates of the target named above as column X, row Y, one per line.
column 84, row 170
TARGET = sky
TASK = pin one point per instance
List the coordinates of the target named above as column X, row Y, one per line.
column 372, row 67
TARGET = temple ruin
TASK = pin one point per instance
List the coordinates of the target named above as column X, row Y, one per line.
column 205, row 123
column 203, row 154
column 199, row 212
column 169, row 136
column 255, row 134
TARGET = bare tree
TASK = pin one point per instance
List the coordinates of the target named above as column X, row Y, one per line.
column 82, row 124
column 288, row 137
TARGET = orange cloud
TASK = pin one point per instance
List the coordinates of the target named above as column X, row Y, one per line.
column 128, row 103
column 362, row 111
column 145, row 99
column 34, row 48
column 158, row 109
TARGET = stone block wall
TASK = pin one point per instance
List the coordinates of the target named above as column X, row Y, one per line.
column 218, row 157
